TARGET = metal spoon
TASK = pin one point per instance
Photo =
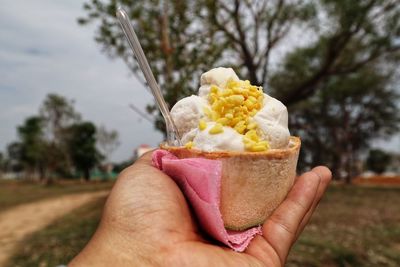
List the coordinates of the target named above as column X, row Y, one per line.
column 173, row 138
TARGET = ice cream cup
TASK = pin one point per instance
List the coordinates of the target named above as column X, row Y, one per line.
column 253, row 184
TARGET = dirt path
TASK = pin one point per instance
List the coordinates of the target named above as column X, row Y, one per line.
column 16, row 223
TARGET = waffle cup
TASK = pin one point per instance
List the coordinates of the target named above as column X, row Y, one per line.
column 253, row 184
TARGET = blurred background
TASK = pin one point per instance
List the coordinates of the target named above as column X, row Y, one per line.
column 75, row 111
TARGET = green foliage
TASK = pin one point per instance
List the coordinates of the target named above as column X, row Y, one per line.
column 350, row 43
column 32, row 143
column 107, row 141
column 2, row 162
column 120, row 166
column 177, row 47
column 56, row 143
column 378, row 160
column 82, row 147
column 339, row 122
column 14, row 155
column 58, row 113
column 354, row 35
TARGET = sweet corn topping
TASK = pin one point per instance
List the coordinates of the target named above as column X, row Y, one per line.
column 216, row 129
column 189, row 145
column 233, row 106
column 202, row 125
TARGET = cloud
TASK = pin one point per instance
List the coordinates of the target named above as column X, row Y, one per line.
column 44, row 50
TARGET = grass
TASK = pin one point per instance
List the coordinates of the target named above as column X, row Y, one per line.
column 13, row 193
column 61, row 241
column 353, row 226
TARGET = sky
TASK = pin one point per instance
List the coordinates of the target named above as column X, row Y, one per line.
column 43, row 50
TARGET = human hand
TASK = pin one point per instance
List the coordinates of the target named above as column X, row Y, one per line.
column 147, row 222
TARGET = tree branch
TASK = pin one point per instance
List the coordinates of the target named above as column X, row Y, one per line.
column 336, row 45
column 141, row 113
column 270, row 42
column 374, row 55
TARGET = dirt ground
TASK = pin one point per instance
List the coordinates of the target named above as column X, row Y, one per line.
column 18, row 222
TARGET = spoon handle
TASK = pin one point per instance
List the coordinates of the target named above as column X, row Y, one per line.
column 173, row 137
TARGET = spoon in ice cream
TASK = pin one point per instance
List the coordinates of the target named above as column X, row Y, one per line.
column 173, row 138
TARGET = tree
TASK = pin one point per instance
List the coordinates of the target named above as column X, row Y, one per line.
column 176, row 45
column 3, row 164
column 107, row 141
column 378, row 160
column 344, row 41
column 28, row 152
column 338, row 124
column 244, row 34
column 14, row 156
column 58, row 114
column 82, row 147
column 31, row 138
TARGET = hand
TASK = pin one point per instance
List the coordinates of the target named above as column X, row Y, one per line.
column 147, row 222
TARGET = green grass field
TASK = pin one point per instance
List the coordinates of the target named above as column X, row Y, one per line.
column 353, row 226
column 13, row 193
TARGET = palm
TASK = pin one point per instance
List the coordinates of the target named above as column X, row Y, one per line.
column 146, row 202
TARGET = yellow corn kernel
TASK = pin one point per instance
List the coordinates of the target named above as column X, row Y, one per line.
column 249, row 104
column 216, row 129
column 252, row 99
column 253, row 112
column 227, row 92
column 232, row 83
column 248, row 141
column 237, row 99
column 251, row 126
column 212, row 98
column 223, row 121
column 258, row 148
column 240, row 129
column 263, row 143
column 237, row 90
column 241, row 123
column 239, row 115
column 214, row 115
column 217, row 105
column 235, row 120
column 252, row 134
column 254, row 93
column 229, row 115
column 207, row 111
column 202, row 125
column 189, row 145
column 214, row 89
column 249, row 146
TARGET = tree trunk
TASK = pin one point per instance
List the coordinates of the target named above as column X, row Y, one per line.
column 86, row 174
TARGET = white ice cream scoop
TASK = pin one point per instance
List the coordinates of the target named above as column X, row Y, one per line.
column 187, row 112
column 217, row 76
column 272, row 121
column 228, row 140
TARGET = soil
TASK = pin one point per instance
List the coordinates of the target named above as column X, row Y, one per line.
column 18, row 222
